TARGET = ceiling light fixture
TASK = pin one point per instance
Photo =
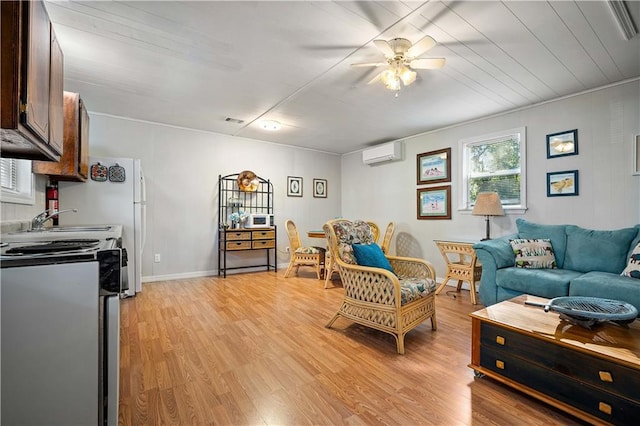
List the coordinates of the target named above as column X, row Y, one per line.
column 270, row 125
column 621, row 13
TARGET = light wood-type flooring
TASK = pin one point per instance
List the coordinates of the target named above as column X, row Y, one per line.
column 252, row 349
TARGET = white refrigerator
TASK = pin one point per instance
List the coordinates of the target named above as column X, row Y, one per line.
column 114, row 199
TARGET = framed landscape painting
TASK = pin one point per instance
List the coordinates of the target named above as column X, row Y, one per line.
column 434, row 166
column 560, row 184
column 434, row 202
column 562, row 144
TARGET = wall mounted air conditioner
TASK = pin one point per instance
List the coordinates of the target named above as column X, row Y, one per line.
column 391, row 151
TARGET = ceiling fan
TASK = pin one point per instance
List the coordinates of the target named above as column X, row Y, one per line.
column 401, row 57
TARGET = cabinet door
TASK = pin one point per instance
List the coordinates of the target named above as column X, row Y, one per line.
column 36, row 116
column 56, row 94
column 84, row 142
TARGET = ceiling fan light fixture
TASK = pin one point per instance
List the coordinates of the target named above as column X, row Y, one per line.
column 407, row 76
column 390, row 80
column 270, row 125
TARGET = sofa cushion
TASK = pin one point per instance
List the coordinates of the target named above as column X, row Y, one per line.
column 533, row 254
column 540, row 282
column 415, row 288
column 633, row 266
column 590, row 250
column 606, row 285
column 371, row 255
column 555, row 233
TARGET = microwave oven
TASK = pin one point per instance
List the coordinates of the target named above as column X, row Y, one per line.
column 259, row 220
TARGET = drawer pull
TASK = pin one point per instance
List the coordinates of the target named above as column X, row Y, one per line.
column 604, row 407
column 605, row 376
column 500, row 340
column 500, row 364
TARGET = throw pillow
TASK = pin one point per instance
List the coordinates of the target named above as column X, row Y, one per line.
column 371, row 255
column 633, row 267
column 533, row 254
column 555, row 233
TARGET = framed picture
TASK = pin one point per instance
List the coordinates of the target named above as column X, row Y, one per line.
column 434, row 166
column 434, row 202
column 320, row 188
column 562, row 144
column 560, row 184
column 636, row 156
column 294, row 186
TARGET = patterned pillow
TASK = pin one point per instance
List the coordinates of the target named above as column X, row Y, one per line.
column 533, row 254
column 633, row 267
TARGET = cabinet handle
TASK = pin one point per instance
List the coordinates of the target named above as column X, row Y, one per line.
column 606, row 376
column 604, row 407
column 500, row 364
column 500, row 340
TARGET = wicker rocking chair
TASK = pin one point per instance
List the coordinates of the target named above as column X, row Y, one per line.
column 393, row 302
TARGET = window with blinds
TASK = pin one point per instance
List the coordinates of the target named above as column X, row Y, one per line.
column 16, row 181
column 8, row 174
column 495, row 163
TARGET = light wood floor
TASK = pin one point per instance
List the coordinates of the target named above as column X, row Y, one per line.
column 252, row 349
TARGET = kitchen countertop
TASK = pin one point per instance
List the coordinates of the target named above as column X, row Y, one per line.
column 70, row 232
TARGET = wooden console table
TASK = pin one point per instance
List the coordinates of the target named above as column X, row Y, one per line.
column 462, row 265
column 591, row 374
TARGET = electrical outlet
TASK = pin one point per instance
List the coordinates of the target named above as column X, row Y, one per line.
column 156, row 258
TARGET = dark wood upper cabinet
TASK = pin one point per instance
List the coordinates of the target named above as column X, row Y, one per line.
column 32, row 83
column 74, row 163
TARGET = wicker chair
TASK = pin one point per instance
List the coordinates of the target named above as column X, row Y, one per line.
column 392, row 302
column 301, row 255
column 375, row 230
column 386, row 240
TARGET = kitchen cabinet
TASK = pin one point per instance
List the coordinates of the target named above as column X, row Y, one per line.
column 74, row 163
column 32, row 83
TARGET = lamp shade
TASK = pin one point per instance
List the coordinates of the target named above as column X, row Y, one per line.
column 488, row 204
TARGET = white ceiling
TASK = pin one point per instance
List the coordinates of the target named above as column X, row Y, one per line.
column 192, row 64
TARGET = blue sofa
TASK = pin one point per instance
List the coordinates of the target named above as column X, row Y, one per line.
column 589, row 263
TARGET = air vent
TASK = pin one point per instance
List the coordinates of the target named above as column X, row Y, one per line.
column 234, row 120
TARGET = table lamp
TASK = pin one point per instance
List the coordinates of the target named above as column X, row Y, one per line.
column 488, row 204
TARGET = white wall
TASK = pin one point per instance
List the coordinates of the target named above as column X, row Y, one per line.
column 181, row 168
column 607, row 121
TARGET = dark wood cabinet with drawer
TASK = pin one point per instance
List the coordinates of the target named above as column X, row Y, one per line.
column 593, row 374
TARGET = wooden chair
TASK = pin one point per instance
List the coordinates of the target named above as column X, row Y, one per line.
column 386, row 239
column 375, row 230
column 303, row 255
column 392, row 302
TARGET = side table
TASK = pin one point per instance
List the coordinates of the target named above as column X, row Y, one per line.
column 462, row 265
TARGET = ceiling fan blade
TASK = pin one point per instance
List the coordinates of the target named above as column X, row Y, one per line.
column 384, row 47
column 376, row 78
column 427, row 63
column 370, row 64
column 421, row 46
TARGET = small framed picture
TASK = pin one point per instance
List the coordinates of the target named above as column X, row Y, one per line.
column 560, row 184
column 434, row 166
column 562, row 144
column 320, row 188
column 434, row 202
column 294, row 186
column 636, row 156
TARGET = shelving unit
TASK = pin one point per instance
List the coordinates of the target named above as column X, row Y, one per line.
column 231, row 199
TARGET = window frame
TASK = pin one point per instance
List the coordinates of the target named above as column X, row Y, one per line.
column 25, row 185
column 464, row 203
